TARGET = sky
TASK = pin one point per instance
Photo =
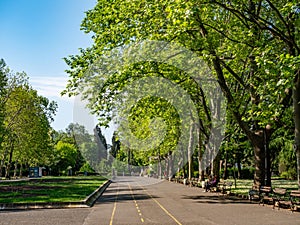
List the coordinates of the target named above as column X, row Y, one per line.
column 35, row 36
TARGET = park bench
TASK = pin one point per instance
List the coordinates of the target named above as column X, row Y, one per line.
column 253, row 193
column 295, row 200
column 265, row 195
column 194, row 182
column 179, row 180
column 224, row 187
column 280, row 198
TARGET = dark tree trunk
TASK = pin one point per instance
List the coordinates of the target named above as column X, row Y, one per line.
column 238, row 162
column 216, row 165
column 8, row 166
column 15, row 169
column 259, row 156
column 268, row 181
column 200, row 146
column 3, row 161
column 190, row 150
column 21, row 170
column 225, row 173
column 296, row 105
column 1, row 166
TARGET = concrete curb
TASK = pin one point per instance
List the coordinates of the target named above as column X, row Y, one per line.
column 86, row 203
column 92, row 198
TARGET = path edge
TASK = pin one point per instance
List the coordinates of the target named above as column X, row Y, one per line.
column 89, row 201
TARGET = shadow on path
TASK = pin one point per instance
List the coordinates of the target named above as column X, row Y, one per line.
column 217, row 199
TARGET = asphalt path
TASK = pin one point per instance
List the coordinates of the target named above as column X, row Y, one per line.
column 136, row 200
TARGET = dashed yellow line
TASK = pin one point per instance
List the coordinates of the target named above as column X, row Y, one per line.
column 136, row 205
column 160, row 205
column 114, row 209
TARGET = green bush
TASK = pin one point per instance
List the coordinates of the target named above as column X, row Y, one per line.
column 196, row 174
column 86, row 168
column 291, row 174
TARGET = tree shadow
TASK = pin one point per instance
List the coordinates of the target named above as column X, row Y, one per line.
column 123, row 189
column 217, row 199
column 110, row 198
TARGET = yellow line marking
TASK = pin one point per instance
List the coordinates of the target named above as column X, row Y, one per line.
column 136, row 204
column 160, row 205
column 166, row 211
column 114, row 209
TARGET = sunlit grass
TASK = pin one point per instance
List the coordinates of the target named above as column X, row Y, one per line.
column 49, row 189
column 243, row 186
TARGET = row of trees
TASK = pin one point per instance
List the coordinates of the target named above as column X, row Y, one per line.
column 24, row 123
column 27, row 138
column 251, row 47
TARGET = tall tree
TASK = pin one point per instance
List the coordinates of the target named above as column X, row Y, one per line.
column 251, row 46
column 27, row 125
column 3, row 84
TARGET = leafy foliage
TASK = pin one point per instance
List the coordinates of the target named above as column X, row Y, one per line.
column 252, row 48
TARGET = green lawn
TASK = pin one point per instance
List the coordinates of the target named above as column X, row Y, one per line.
column 243, row 186
column 49, row 189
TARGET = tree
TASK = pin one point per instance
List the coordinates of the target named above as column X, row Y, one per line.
column 251, row 46
column 3, row 84
column 27, row 125
column 101, row 143
column 66, row 156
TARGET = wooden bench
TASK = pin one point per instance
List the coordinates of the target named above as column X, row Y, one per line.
column 253, row 193
column 264, row 195
column 224, row 187
column 195, row 183
column 295, row 200
column 280, row 198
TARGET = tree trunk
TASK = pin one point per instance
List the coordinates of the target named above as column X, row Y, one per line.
column 190, row 148
column 129, row 161
column 15, row 169
column 216, row 165
column 200, row 155
column 7, row 172
column 259, row 155
column 225, row 173
column 296, row 105
column 238, row 162
column 1, row 166
column 159, row 167
column 171, row 165
column 268, row 181
column 3, row 161
column 21, row 170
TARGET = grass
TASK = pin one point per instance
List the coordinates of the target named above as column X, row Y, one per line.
column 49, row 189
column 243, row 186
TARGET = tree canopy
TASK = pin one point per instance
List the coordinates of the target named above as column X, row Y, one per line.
column 251, row 47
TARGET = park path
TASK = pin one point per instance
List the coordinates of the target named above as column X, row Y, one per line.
column 137, row 200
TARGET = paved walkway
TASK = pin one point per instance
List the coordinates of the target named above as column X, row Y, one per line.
column 134, row 200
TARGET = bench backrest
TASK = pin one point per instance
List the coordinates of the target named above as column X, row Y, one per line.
column 265, row 189
column 255, row 187
column 280, row 191
column 229, row 183
column 295, row 194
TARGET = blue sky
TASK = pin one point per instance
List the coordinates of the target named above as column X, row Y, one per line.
column 35, row 36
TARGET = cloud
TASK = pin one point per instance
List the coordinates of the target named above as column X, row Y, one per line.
column 70, row 109
column 50, row 87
